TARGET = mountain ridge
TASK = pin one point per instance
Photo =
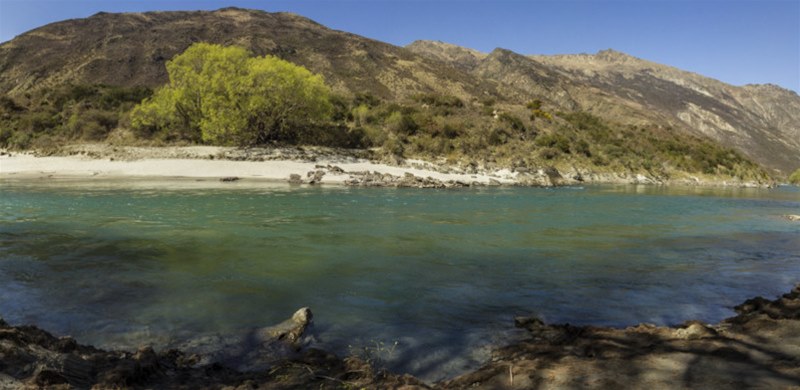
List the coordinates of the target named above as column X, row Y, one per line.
column 130, row 49
column 761, row 120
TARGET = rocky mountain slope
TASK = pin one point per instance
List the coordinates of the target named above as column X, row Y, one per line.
column 761, row 121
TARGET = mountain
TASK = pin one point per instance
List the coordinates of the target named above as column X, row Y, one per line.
column 129, row 50
column 763, row 121
column 460, row 57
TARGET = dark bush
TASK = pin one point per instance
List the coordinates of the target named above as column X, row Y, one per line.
column 553, row 140
column 9, row 106
column 498, row 136
column 366, row 99
column 582, row 147
column 512, row 121
column 549, row 153
column 402, row 124
column 584, row 121
column 113, row 97
column 341, row 109
column 38, row 121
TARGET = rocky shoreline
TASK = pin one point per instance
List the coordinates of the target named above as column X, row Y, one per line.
column 317, row 165
column 759, row 347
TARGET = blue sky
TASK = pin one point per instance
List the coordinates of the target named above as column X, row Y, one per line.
column 738, row 42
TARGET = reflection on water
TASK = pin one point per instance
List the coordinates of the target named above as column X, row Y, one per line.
column 440, row 272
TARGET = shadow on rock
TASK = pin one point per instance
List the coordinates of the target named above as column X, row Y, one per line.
column 758, row 348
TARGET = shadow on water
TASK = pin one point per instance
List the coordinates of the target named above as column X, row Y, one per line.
column 74, row 282
column 123, row 291
column 738, row 263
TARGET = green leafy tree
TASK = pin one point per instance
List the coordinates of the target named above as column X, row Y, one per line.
column 794, row 178
column 222, row 95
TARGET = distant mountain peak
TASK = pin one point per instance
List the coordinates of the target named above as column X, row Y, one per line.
column 501, row 50
column 611, row 55
column 442, row 44
column 770, row 87
column 232, row 8
column 461, row 57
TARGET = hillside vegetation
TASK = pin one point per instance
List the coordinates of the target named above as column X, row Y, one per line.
column 429, row 100
column 794, row 178
column 225, row 96
column 47, row 119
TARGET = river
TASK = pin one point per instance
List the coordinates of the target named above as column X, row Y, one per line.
column 421, row 281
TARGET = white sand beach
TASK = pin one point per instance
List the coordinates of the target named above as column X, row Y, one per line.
column 340, row 167
column 194, row 162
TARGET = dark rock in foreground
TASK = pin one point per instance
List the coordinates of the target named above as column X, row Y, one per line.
column 32, row 358
column 759, row 348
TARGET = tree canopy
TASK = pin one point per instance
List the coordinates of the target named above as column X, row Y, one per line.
column 222, row 95
column 794, row 178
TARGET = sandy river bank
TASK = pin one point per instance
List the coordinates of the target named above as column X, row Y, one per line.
column 308, row 165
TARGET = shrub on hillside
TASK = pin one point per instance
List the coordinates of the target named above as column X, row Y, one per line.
column 400, row 123
column 554, row 140
column 794, row 178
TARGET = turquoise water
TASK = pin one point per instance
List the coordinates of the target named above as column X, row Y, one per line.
column 440, row 272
